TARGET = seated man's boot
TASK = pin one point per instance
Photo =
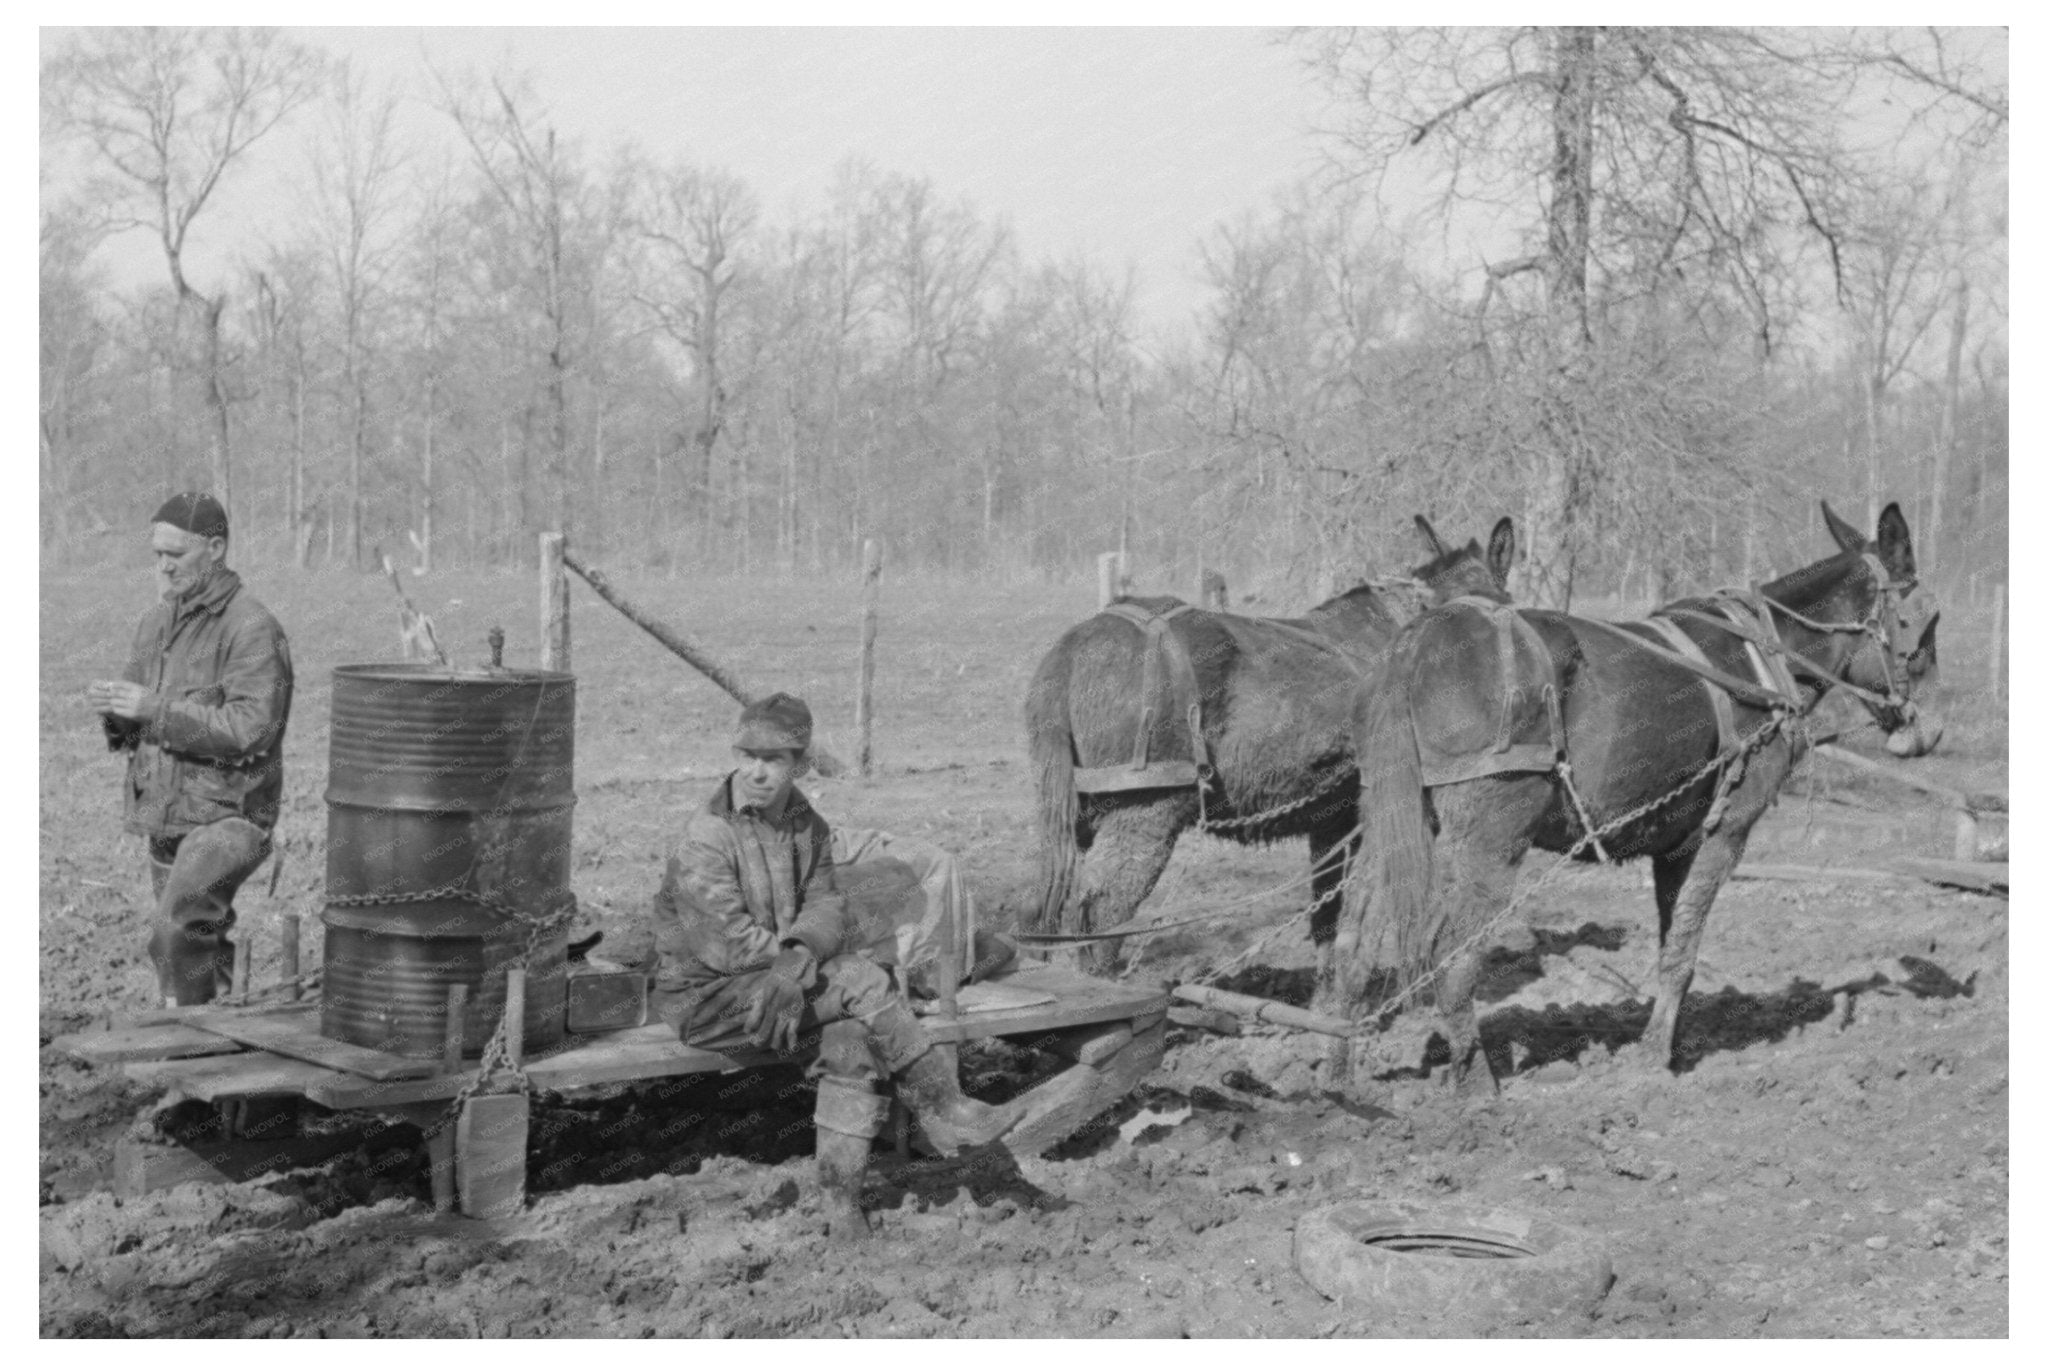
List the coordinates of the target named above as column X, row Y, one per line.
column 842, row 1161
column 930, row 1088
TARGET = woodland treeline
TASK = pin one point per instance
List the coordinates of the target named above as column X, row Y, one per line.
column 1753, row 267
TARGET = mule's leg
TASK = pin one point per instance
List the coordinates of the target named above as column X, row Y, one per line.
column 1686, row 887
column 1327, row 900
column 1483, row 831
column 1132, row 843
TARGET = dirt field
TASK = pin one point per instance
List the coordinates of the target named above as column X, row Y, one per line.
column 1833, row 1162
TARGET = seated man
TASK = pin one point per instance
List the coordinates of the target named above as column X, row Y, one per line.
column 756, row 949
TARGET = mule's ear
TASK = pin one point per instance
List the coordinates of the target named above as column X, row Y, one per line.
column 1846, row 536
column 1895, row 543
column 1431, row 546
column 1500, row 551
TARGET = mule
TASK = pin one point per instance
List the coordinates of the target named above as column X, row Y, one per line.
column 1459, row 747
column 1275, row 701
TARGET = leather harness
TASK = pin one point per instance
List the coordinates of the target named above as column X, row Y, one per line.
column 1165, row 654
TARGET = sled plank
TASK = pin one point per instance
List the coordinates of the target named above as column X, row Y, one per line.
column 300, row 1037
column 143, row 1044
column 234, row 1076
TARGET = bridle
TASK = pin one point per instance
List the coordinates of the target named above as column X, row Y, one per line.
column 1885, row 620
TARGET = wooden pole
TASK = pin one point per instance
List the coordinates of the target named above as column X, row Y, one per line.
column 685, row 649
column 288, row 969
column 1266, row 1011
column 870, row 616
column 554, row 602
column 241, row 978
column 1968, row 801
column 1998, row 641
column 1105, row 578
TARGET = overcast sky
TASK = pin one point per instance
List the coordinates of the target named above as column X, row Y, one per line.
column 1124, row 144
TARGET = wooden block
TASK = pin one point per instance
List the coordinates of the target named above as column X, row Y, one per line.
column 490, row 1156
column 140, row 1167
column 604, row 1002
column 234, row 1076
column 1092, row 1046
column 151, row 1043
column 1065, row 1103
column 299, row 1036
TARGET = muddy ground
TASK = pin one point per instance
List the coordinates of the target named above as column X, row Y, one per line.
column 1831, row 1159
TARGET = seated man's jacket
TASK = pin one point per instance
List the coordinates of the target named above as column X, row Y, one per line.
column 739, row 887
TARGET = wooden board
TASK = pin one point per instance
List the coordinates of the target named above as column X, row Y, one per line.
column 231, row 1077
column 490, row 1156
column 196, row 1015
column 153, row 1043
column 1063, row 1105
column 652, row 1051
column 299, row 1036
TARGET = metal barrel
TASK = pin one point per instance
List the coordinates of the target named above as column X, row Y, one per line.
column 451, row 781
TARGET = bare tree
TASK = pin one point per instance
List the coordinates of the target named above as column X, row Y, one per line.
column 355, row 185
column 695, row 226
column 167, row 113
column 1644, row 163
column 534, row 181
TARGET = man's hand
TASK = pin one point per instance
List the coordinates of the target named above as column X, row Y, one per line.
column 779, row 1005
column 115, row 697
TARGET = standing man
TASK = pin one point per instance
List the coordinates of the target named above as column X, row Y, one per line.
column 756, row 949
column 201, row 710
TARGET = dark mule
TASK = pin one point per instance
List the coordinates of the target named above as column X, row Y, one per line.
column 1275, row 705
column 1457, row 754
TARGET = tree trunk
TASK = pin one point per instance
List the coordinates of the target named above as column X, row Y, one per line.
column 1929, row 549
column 1873, row 427
column 355, row 474
column 427, row 483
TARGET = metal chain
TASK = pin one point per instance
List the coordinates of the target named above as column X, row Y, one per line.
column 1757, row 738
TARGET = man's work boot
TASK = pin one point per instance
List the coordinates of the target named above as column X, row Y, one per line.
column 930, row 1088
column 842, row 1161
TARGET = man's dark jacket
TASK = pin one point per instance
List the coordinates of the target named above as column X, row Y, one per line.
column 210, row 742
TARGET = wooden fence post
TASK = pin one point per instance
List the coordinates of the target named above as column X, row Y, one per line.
column 1112, row 577
column 554, row 604
column 870, row 609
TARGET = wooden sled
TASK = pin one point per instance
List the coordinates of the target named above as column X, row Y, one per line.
column 1111, row 1033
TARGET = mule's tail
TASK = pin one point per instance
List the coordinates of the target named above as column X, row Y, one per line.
column 1387, row 901
column 1051, row 735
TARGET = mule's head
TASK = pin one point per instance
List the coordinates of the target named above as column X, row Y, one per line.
column 1893, row 662
column 1467, row 571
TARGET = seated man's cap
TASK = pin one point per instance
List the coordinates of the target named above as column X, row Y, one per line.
column 198, row 513
column 776, row 721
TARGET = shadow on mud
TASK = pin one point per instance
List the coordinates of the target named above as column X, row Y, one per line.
column 1518, row 1039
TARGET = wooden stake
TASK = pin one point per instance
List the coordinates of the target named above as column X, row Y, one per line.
column 687, row 650
column 515, row 1015
column 241, row 987
column 451, row 1033
column 870, row 615
column 288, row 969
column 554, row 602
column 441, row 1166
column 1105, row 578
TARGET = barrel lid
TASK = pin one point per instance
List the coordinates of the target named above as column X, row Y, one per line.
column 442, row 673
